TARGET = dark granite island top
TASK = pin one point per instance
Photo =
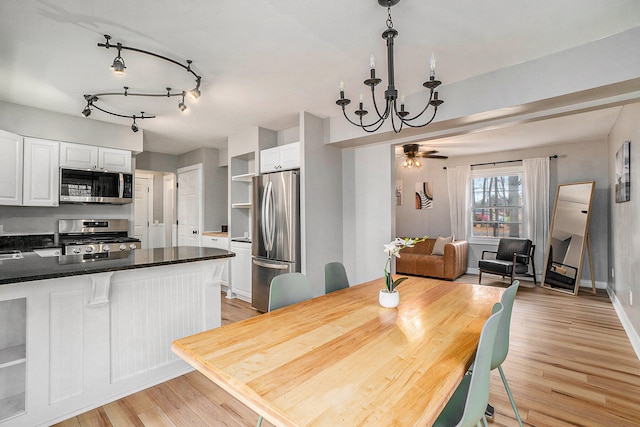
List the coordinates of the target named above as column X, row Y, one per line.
column 34, row 267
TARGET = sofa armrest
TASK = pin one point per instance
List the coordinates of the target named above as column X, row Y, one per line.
column 455, row 259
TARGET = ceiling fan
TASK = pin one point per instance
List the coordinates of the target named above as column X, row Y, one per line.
column 412, row 152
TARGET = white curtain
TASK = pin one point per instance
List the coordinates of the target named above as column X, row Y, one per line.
column 459, row 184
column 535, row 185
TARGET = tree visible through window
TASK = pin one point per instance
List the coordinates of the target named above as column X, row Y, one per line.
column 497, row 204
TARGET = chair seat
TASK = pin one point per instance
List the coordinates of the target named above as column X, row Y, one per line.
column 497, row 266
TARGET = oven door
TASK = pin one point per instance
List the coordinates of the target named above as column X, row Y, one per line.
column 85, row 186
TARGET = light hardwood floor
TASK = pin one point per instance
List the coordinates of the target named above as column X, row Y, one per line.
column 570, row 363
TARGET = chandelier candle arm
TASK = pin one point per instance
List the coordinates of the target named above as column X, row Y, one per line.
column 391, row 93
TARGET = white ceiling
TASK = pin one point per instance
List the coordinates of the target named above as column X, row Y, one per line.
column 264, row 61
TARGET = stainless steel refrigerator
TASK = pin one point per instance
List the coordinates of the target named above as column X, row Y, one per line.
column 276, row 232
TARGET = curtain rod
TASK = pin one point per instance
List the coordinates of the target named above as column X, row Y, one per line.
column 555, row 156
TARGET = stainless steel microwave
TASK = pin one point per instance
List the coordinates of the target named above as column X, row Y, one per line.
column 88, row 186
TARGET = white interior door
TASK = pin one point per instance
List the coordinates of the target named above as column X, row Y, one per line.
column 189, row 205
column 143, row 209
column 169, row 209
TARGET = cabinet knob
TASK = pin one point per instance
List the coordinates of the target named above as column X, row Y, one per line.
column 194, row 232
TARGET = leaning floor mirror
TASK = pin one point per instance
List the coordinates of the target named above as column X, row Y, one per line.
column 568, row 238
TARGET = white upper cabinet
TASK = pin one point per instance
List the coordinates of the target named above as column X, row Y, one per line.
column 10, row 169
column 114, row 160
column 41, row 176
column 280, row 158
column 79, row 156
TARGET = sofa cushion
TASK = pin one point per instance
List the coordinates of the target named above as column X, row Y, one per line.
column 438, row 247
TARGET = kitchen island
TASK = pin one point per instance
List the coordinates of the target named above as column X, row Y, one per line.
column 79, row 331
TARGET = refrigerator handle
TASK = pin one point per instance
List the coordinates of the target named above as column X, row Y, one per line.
column 263, row 214
column 268, row 265
column 272, row 215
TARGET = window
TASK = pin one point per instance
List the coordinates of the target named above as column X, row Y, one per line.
column 496, row 205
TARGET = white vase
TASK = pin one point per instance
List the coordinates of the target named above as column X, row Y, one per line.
column 389, row 299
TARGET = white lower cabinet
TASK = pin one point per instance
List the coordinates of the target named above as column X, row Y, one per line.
column 241, row 270
column 220, row 243
column 13, row 358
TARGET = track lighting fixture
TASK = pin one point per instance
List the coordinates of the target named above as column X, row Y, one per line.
column 118, row 67
column 118, row 63
column 181, row 104
column 391, row 94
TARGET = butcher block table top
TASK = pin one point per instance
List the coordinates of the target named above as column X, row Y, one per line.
column 342, row 359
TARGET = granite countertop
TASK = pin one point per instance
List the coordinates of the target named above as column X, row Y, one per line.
column 33, row 267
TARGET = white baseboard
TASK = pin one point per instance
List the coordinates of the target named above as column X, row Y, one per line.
column 626, row 323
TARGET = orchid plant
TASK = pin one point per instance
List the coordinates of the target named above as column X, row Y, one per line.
column 393, row 249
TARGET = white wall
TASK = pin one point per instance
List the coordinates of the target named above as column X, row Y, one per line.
column 624, row 237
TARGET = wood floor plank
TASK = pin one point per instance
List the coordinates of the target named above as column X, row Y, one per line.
column 570, row 363
column 121, row 415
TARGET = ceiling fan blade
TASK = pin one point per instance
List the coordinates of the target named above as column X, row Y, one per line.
column 437, row 157
column 425, row 153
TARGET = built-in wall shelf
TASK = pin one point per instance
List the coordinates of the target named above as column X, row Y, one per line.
column 245, row 205
column 245, row 177
column 12, row 356
column 12, row 406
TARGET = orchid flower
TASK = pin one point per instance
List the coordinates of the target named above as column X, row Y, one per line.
column 393, row 249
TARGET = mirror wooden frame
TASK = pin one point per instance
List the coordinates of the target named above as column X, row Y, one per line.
column 584, row 245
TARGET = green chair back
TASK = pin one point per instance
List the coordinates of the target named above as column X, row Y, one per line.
column 335, row 277
column 467, row 405
column 501, row 348
column 287, row 289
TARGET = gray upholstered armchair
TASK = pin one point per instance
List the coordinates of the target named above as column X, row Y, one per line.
column 512, row 257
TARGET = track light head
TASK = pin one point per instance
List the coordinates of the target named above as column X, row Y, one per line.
column 118, row 63
column 134, row 126
column 87, row 111
column 195, row 93
column 181, row 104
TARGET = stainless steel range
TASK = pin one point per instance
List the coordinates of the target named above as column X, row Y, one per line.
column 93, row 236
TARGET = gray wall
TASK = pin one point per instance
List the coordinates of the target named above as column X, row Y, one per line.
column 321, row 201
column 215, row 187
column 624, row 237
column 579, row 161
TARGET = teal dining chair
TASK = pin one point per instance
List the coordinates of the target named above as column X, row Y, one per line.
column 501, row 347
column 287, row 289
column 335, row 277
column 467, row 405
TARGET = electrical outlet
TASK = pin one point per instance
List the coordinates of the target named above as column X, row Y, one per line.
column 630, row 297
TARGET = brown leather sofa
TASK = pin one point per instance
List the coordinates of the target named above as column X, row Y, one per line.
column 418, row 261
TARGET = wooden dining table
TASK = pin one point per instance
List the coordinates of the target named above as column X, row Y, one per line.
column 343, row 360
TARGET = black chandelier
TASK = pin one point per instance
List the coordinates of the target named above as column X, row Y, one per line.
column 119, row 67
column 391, row 94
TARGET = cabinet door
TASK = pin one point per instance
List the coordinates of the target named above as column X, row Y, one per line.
column 78, row 156
column 290, row 156
column 241, row 270
column 114, row 160
column 41, row 176
column 269, row 160
column 10, row 169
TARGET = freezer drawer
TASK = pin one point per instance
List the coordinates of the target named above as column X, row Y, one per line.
column 262, row 272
